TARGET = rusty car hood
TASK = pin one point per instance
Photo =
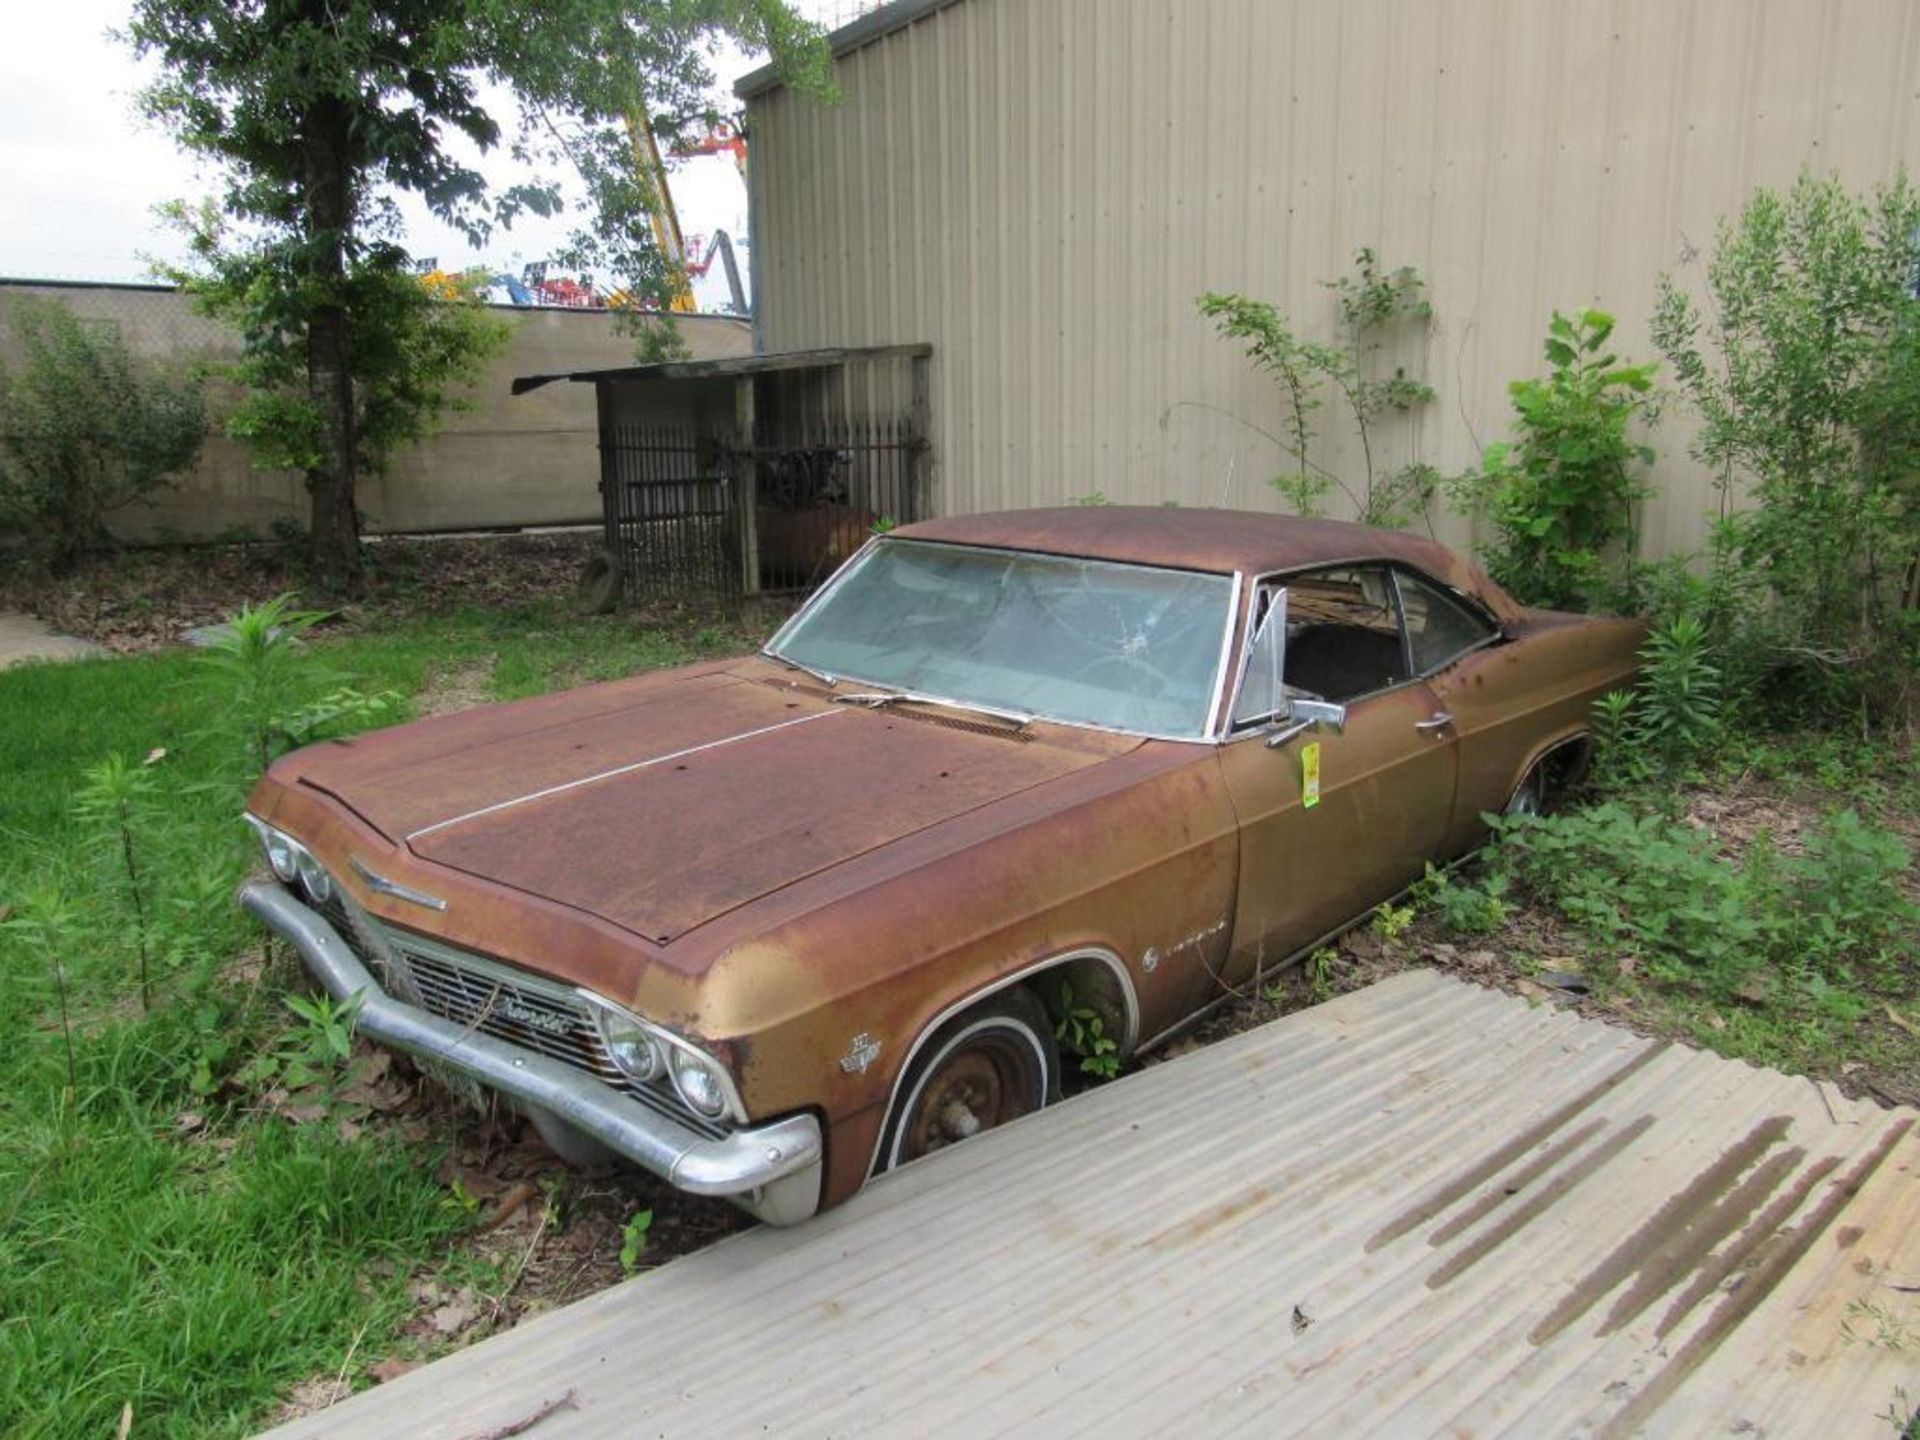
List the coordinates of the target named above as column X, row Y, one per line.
column 663, row 802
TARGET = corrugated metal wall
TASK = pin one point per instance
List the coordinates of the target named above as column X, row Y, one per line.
column 1042, row 187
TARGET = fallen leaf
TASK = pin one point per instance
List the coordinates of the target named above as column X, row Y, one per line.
column 187, row 1122
column 1538, row 994
column 348, row 1132
column 454, row 1316
column 155, row 755
column 1716, row 1021
column 305, row 1114
column 386, row 1371
column 126, row 1421
column 1629, row 964
column 1901, row 1020
column 1480, row 960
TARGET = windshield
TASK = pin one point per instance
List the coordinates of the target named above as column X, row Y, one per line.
column 1120, row 646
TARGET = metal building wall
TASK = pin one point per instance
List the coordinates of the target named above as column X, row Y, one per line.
column 1042, row 187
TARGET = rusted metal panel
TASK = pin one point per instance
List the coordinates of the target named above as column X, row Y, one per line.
column 1422, row 1209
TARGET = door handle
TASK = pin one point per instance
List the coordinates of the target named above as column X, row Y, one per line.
column 1436, row 722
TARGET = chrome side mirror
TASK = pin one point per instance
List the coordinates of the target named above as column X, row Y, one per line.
column 1305, row 715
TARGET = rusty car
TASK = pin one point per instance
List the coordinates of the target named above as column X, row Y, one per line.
column 767, row 926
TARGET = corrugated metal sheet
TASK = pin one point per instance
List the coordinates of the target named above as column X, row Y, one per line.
column 1042, row 187
column 1422, row 1209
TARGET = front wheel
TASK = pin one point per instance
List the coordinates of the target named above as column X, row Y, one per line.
column 991, row 1065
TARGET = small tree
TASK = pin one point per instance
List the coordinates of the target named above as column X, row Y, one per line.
column 1804, row 363
column 419, row 344
column 321, row 111
column 1561, row 493
column 83, row 430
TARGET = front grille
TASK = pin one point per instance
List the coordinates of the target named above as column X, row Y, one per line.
column 524, row 1010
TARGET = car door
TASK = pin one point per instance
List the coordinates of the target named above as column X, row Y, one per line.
column 1455, row 648
column 1310, row 864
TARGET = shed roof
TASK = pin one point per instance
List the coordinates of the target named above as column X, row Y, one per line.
column 1425, row 1208
column 729, row 365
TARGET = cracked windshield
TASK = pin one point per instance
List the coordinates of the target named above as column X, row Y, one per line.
column 1120, row 646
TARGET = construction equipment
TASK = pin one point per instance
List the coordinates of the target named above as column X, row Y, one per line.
column 661, row 216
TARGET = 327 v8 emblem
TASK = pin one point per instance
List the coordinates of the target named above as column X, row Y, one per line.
column 860, row 1054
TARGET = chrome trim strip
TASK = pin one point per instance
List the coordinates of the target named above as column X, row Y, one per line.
column 611, row 774
column 1084, row 952
column 1225, row 674
column 770, row 1169
column 380, row 885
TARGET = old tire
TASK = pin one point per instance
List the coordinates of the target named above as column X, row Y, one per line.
column 991, row 1065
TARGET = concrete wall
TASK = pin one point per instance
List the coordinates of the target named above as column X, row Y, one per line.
column 526, row 460
column 1042, row 187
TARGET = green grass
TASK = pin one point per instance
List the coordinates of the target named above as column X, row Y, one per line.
column 167, row 1241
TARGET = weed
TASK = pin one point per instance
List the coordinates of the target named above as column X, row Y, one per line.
column 633, row 1241
column 1462, row 908
column 1889, row 1330
column 114, row 796
column 1391, row 921
column 1083, row 1031
column 1799, row 938
column 1320, row 969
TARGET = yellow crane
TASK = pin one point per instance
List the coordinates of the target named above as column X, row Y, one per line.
column 661, row 215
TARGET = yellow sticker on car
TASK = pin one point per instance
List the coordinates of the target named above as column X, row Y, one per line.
column 1310, row 775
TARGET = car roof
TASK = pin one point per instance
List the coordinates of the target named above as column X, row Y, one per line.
column 1222, row 541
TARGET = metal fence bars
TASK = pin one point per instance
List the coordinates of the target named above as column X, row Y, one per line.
column 820, row 492
column 670, row 511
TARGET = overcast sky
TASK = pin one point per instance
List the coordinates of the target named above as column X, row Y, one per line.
column 81, row 172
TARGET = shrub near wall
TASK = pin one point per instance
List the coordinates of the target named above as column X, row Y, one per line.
column 1803, row 360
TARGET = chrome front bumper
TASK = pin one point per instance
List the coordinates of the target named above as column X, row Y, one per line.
column 771, row 1171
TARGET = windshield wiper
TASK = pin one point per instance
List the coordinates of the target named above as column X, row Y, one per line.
column 819, row 675
column 878, row 699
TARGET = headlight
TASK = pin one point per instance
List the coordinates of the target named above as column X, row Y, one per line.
column 283, row 856
column 699, row 1083
column 314, row 878
column 632, row 1048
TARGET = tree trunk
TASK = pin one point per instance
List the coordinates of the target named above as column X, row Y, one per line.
column 335, row 536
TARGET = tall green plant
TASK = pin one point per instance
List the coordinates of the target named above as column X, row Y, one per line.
column 1372, row 304
column 1561, row 493
column 257, row 658
column 114, row 797
column 1803, row 360
column 84, row 431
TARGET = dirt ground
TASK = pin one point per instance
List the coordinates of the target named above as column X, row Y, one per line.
column 137, row 600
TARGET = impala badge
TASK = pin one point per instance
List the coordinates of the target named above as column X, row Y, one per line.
column 860, row 1054
column 380, row 885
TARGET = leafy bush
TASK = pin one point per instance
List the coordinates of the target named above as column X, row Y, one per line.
column 83, row 431
column 1810, row 926
column 1561, row 494
column 1804, row 363
column 1462, row 907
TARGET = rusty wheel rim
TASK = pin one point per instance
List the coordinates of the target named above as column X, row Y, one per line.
column 994, row 1078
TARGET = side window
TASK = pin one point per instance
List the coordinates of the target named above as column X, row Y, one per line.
column 1343, row 634
column 1438, row 626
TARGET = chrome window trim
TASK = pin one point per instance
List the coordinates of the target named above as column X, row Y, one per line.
column 1084, row 952
column 1393, row 568
column 1208, row 734
column 1476, row 611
